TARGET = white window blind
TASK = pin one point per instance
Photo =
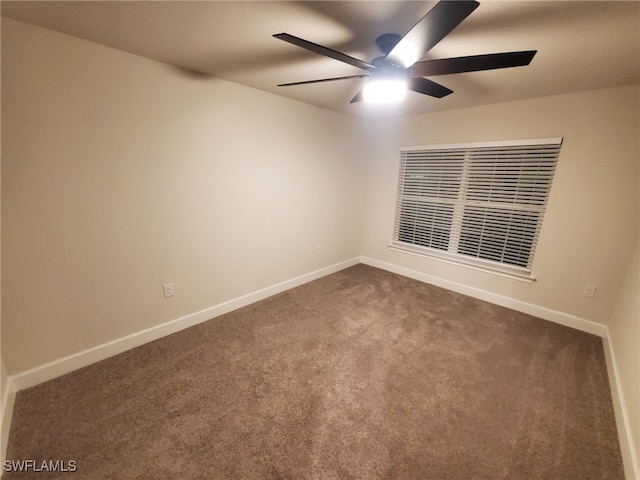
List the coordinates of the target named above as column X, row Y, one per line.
column 478, row 204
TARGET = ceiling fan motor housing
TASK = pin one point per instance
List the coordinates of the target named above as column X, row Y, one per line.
column 387, row 41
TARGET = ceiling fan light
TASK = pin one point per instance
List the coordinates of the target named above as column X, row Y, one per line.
column 384, row 91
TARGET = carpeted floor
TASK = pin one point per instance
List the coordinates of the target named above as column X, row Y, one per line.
column 362, row 374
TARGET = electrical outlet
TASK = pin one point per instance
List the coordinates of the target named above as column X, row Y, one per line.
column 589, row 290
column 318, row 249
column 169, row 290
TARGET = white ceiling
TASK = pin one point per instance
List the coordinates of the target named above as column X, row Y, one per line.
column 581, row 45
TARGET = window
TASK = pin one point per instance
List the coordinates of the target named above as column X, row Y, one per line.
column 478, row 204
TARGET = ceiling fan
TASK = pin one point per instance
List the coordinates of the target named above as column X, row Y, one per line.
column 398, row 68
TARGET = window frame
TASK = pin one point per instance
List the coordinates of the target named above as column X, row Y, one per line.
column 523, row 273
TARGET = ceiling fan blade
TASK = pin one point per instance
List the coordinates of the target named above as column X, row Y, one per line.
column 327, row 52
column 321, row 80
column 357, row 98
column 433, row 27
column 473, row 63
column 426, row 86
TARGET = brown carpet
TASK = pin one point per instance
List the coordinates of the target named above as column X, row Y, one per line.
column 361, row 374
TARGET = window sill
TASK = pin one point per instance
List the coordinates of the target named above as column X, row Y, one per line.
column 494, row 268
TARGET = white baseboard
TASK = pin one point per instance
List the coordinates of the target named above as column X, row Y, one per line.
column 6, row 413
column 84, row 358
column 627, row 446
column 92, row 355
column 524, row 307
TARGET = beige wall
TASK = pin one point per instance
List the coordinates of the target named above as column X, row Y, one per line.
column 624, row 332
column 121, row 174
column 591, row 223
